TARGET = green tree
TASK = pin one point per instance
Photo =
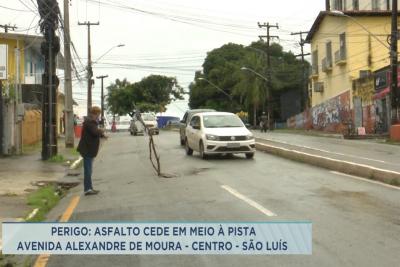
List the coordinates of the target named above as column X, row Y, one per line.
column 152, row 93
column 222, row 67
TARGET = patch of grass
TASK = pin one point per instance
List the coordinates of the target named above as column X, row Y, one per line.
column 74, row 152
column 395, row 182
column 44, row 199
column 57, row 159
column 6, row 261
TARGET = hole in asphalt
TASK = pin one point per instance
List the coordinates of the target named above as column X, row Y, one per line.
column 168, row 175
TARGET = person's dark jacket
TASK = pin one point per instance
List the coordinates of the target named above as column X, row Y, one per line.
column 90, row 140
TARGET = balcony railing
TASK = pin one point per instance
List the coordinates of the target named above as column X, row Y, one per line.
column 340, row 57
column 326, row 65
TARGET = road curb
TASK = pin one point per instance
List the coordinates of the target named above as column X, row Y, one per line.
column 373, row 173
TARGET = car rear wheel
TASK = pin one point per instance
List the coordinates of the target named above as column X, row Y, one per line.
column 189, row 151
column 203, row 155
column 249, row 155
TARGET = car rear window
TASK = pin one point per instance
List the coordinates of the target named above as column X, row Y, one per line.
column 221, row 121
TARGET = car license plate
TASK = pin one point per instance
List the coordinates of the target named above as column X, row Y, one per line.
column 233, row 145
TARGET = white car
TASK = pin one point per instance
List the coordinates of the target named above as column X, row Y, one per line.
column 218, row 133
column 149, row 119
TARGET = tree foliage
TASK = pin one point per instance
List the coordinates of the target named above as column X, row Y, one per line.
column 222, row 67
column 152, row 94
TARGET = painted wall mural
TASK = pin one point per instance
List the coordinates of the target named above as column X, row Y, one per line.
column 332, row 115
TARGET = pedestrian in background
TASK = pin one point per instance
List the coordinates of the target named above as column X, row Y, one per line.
column 264, row 122
column 89, row 147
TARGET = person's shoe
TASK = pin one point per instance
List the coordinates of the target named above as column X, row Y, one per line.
column 91, row 192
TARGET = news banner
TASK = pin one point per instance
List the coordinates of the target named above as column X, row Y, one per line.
column 158, row 238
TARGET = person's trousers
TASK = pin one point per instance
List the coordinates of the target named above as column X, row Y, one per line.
column 87, row 173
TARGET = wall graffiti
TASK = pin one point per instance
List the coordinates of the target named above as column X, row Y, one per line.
column 332, row 115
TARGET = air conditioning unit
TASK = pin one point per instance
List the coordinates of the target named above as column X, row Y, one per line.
column 318, row 87
column 365, row 74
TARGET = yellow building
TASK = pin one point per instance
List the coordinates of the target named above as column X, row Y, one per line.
column 348, row 48
column 31, row 65
column 15, row 44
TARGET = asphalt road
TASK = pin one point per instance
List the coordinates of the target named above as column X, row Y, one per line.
column 355, row 223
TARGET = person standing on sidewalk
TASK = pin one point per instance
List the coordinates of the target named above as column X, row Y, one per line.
column 89, row 147
column 264, row 122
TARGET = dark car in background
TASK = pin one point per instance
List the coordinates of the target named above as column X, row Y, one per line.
column 186, row 119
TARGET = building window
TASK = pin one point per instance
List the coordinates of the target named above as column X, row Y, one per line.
column 315, row 62
column 341, row 54
column 338, row 4
column 375, row 4
column 329, row 54
column 356, row 5
column 342, row 40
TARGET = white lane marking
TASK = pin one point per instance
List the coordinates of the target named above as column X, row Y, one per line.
column 332, row 159
column 248, row 201
column 327, row 151
column 366, row 180
column 32, row 214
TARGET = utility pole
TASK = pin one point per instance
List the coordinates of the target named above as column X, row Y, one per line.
column 49, row 12
column 304, row 94
column 18, row 114
column 102, row 97
column 8, row 26
column 89, row 66
column 269, row 37
column 394, row 94
column 1, row 117
column 69, row 111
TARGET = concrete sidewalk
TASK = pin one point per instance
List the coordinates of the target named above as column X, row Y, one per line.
column 21, row 175
column 367, row 154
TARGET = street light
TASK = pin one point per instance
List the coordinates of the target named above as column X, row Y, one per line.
column 255, row 72
column 219, row 89
column 339, row 13
column 108, row 51
column 216, row 87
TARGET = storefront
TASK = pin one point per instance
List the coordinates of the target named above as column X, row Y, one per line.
column 382, row 99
